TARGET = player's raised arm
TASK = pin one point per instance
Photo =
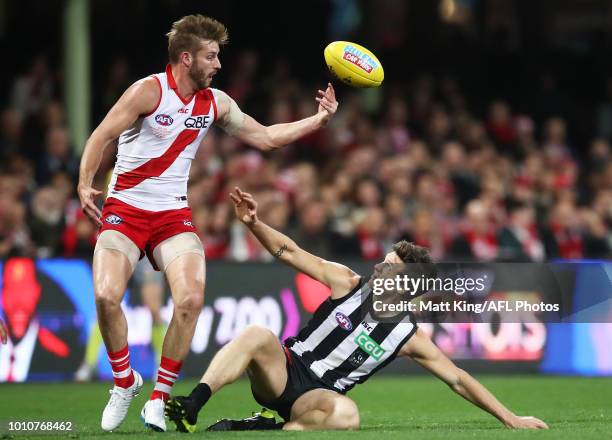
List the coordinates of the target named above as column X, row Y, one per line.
column 140, row 98
column 340, row 279
column 266, row 138
column 422, row 350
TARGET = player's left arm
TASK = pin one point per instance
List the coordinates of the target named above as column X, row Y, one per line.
column 266, row 138
column 339, row 278
column 421, row 349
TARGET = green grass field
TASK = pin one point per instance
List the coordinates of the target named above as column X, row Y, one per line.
column 416, row 407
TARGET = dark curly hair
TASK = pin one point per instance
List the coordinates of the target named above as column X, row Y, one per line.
column 411, row 253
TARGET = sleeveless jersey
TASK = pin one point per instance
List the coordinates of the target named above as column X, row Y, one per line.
column 154, row 155
column 343, row 346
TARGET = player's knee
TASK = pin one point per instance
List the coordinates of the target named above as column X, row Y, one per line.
column 344, row 415
column 107, row 297
column 257, row 336
column 190, row 303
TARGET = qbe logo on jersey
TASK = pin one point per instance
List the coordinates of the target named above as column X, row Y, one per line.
column 197, row 122
column 369, row 345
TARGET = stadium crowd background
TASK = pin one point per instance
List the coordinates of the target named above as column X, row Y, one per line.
column 482, row 144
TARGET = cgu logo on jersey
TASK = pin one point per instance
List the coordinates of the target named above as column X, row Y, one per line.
column 370, row 346
column 164, row 120
column 343, row 321
column 197, row 122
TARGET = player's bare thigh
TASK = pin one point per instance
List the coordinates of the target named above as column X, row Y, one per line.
column 323, row 409
column 181, row 257
column 114, row 259
column 267, row 370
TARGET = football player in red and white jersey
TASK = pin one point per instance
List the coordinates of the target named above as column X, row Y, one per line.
column 160, row 121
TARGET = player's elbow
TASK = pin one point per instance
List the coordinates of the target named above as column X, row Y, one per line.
column 455, row 380
column 265, row 147
column 99, row 138
column 268, row 141
column 268, row 145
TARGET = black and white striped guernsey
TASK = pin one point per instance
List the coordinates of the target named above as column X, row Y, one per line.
column 343, row 346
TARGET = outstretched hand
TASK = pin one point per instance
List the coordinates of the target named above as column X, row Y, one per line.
column 526, row 422
column 327, row 103
column 245, row 206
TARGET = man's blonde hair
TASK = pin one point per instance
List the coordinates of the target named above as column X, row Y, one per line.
column 187, row 34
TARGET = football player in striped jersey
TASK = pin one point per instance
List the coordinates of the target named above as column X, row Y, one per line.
column 305, row 379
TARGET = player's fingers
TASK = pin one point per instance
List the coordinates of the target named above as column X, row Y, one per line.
column 91, row 205
column 96, row 192
column 331, row 90
column 323, row 101
column 92, row 216
column 87, row 209
column 327, row 105
column 251, row 203
column 235, row 198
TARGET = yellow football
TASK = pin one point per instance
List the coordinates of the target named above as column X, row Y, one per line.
column 353, row 64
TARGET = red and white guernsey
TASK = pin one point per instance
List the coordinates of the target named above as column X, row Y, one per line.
column 154, row 155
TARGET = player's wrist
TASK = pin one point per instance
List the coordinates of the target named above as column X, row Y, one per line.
column 509, row 420
column 83, row 185
column 321, row 119
column 252, row 223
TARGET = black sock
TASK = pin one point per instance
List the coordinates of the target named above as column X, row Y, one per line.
column 200, row 395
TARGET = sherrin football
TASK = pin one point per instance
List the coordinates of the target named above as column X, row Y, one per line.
column 353, row 64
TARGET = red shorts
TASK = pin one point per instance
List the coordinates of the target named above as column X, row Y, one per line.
column 145, row 228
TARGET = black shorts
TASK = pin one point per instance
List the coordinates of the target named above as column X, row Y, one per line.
column 300, row 379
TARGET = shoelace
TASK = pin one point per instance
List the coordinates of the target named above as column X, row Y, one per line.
column 119, row 399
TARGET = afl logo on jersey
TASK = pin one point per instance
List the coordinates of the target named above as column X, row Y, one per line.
column 343, row 321
column 164, row 120
column 113, row 219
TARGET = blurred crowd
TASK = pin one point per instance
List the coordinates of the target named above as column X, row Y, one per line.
column 413, row 161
